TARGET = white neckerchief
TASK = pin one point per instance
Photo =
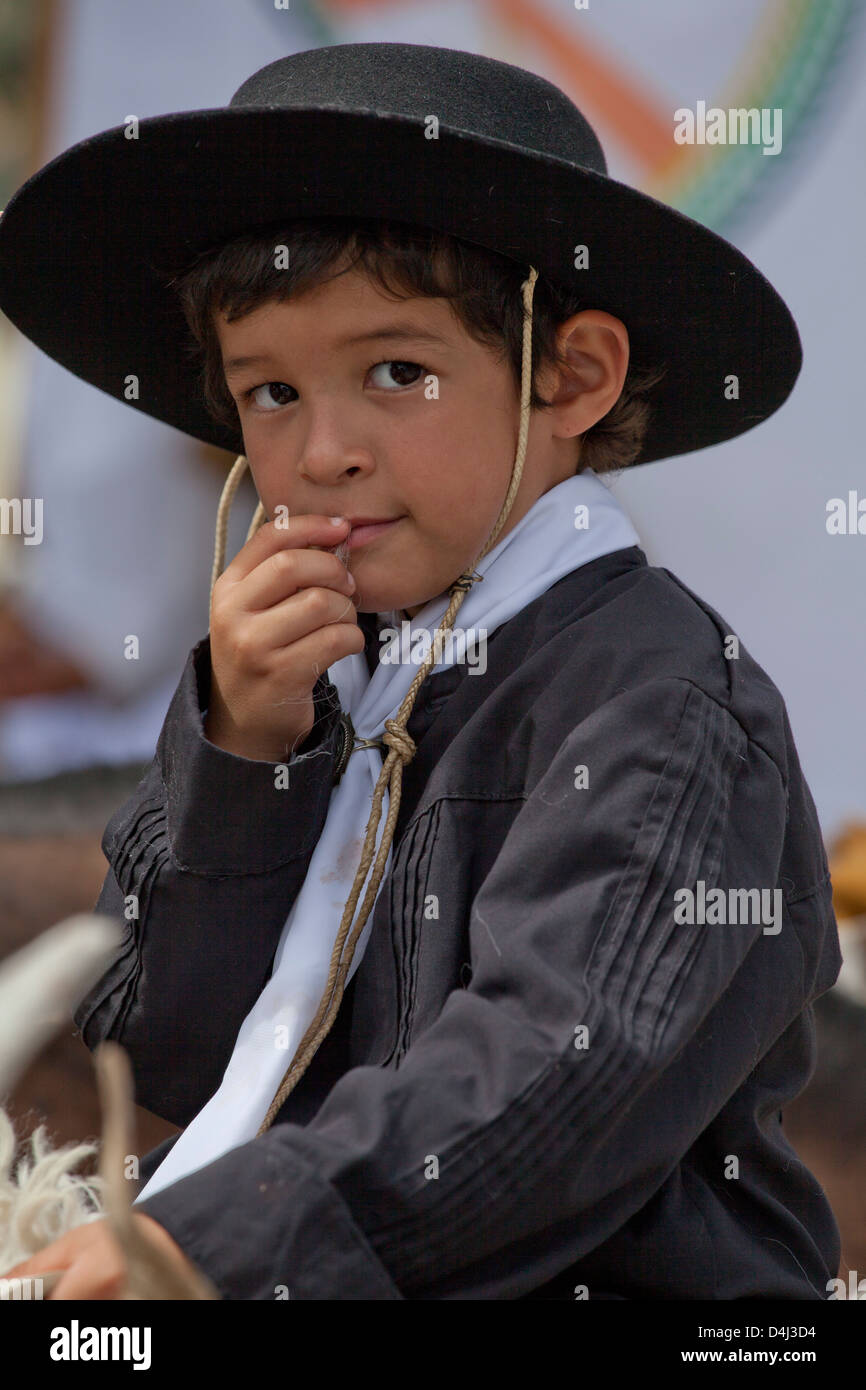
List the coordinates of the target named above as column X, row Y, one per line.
column 555, row 537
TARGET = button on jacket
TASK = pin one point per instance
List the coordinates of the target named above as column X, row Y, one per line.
column 542, row 1082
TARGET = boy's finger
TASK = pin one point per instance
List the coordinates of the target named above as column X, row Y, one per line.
column 98, row 1272
column 302, row 529
column 270, row 584
column 28, row 1269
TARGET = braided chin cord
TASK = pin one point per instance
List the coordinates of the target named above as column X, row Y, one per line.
column 400, row 744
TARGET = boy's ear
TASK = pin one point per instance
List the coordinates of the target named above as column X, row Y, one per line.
column 588, row 383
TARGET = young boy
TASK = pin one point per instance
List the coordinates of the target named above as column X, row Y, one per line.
column 552, row 1058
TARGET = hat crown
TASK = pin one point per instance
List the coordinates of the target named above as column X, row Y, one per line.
column 464, row 91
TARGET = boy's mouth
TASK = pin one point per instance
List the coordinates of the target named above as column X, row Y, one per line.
column 364, row 530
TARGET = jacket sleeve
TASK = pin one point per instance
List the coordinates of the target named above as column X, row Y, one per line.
column 598, row 1038
column 206, row 858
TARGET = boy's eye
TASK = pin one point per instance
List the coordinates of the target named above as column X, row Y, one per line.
column 273, row 394
column 403, row 369
column 270, row 401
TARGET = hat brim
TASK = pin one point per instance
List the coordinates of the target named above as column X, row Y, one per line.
column 84, row 244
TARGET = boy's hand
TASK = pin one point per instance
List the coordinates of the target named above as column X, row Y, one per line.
column 281, row 614
column 93, row 1261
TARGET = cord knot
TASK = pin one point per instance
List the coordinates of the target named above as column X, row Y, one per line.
column 396, row 737
column 466, row 580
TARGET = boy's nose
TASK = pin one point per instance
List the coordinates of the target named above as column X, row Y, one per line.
column 328, row 463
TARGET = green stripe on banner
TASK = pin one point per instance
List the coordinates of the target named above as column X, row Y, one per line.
column 718, row 191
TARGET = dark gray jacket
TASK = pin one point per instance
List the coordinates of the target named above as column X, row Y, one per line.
column 541, row 1082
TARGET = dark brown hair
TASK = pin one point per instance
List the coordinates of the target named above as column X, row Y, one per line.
column 403, row 260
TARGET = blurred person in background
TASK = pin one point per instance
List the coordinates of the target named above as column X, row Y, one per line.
column 97, row 615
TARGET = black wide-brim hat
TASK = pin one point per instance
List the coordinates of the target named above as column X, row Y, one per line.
column 343, row 131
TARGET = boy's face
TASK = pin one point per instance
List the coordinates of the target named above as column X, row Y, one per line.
column 358, row 429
